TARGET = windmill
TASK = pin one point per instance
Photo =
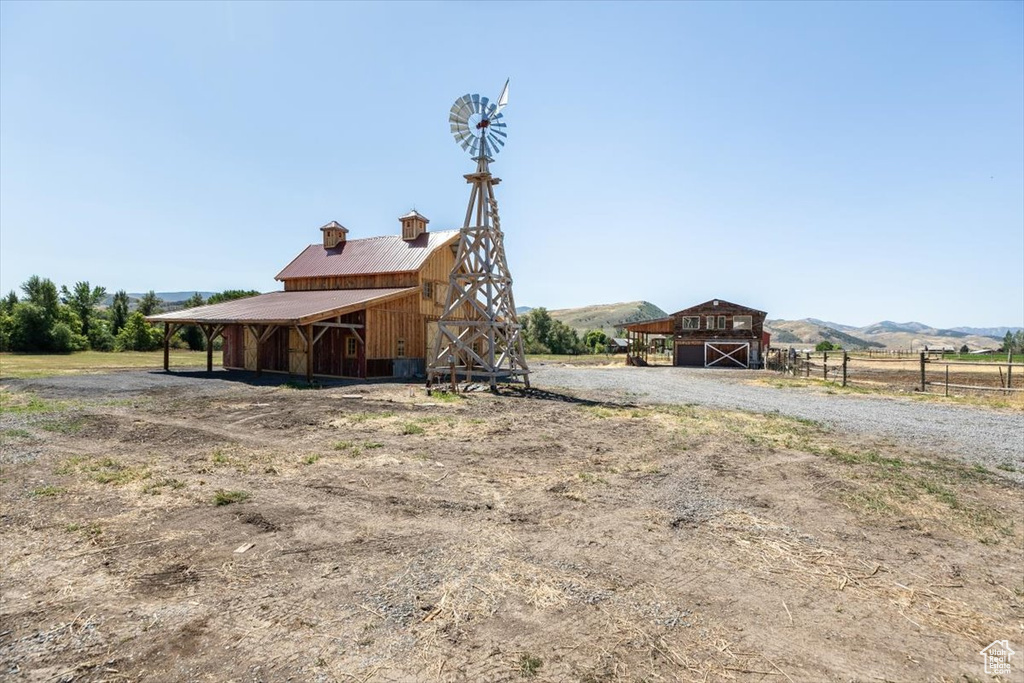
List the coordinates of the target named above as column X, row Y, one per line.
column 478, row 335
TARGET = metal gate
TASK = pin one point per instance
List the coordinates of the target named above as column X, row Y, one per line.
column 727, row 354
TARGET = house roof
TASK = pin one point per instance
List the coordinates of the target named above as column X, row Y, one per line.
column 656, row 326
column 710, row 303
column 387, row 254
column 284, row 308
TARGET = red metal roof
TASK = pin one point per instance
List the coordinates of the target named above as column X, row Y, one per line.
column 387, row 254
column 284, row 308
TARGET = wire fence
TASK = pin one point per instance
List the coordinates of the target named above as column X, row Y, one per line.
column 924, row 371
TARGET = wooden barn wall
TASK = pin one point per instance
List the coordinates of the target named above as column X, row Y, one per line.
column 390, row 321
column 234, row 346
column 726, row 309
column 373, row 281
column 436, row 270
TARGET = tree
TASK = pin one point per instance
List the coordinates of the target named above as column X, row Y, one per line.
column 8, row 302
column 83, row 300
column 563, row 339
column 138, row 335
column 595, row 339
column 824, row 346
column 30, row 328
column 149, row 304
column 190, row 334
column 231, row 295
column 537, row 324
column 964, row 349
column 43, row 293
column 118, row 311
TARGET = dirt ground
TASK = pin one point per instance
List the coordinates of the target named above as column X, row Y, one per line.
column 372, row 533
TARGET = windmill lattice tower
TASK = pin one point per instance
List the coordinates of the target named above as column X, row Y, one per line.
column 479, row 336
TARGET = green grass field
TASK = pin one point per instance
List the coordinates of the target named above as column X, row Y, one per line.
column 27, row 365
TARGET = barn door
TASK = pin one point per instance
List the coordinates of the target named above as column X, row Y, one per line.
column 726, row 354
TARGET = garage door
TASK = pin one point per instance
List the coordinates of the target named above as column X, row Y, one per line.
column 690, row 355
column 726, row 354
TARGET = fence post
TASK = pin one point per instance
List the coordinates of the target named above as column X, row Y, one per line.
column 846, row 359
column 824, row 365
column 807, row 364
column 947, row 380
column 923, row 361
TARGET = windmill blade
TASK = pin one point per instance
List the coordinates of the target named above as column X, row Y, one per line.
column 499, row 132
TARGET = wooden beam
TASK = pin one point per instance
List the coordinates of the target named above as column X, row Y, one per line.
column 167, row 347
column 309, row 353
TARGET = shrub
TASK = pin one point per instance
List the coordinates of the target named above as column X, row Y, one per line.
column 138, row 335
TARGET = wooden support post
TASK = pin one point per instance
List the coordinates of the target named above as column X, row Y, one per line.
column 309, row 354
column 209, row 352
column 947, row 380
column 846, row 359
column 259, row 348
column 824, row 365
column 923, row 361
column 167, row 347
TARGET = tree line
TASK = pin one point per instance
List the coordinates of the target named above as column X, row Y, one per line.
column 45, row 319
column 544, row 334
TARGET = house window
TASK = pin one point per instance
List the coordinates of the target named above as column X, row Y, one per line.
column 711, row 322
column 350, row 346
column 721, row 322
column 428, row 290
column 691, row 322
column 401, row 348
column 742, row 322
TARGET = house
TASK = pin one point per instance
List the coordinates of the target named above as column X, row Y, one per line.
column 349, row 308
column 616, row 345
column 716, row 333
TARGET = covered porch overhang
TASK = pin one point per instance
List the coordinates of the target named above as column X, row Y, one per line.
column 310, row 313
column 639, row 336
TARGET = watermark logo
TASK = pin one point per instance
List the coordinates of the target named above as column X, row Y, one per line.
column 997, row 658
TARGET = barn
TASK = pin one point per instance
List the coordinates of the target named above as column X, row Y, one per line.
column 349, row 308
column 716, row 333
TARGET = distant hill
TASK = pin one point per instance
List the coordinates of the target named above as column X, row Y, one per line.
column 606, row 317
column 997, row 332
column 884, row 334
column 172, row 297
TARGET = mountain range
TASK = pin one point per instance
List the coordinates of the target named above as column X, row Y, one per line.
column 806, row 332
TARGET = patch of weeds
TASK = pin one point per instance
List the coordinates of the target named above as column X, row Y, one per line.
column 478, row 421
column 270, row 469
column 343, row 445
column 300, row 385
column 110, row 471
column 411, row 428
column 22, row 404
column 428, row 420
column 577, row 497
column 446, row 397
column 370, row 445
column 310, row 459
column 62, row 426
column 529, row 665
column 222, row 497
column 592, row 478
column 1006, row 467
column 70, row 466
column 218, row 457
column 363, row 417
column 16, row 433
column 90, row 530
column 155, row 488
column 47, row 491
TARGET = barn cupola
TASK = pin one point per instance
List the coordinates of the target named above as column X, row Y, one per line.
column 413, row 225
column 334, row 234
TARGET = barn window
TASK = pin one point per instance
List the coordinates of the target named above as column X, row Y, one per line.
column 742, row 322
column 428, row 290
column 691, row 322
column 711, row 322
column 401, row 348
column 350, row 346
column 721, row 322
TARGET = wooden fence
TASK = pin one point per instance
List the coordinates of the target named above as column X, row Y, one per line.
column 924, row 372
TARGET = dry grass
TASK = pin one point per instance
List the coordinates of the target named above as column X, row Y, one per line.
column 400, row 537
column 25, row 365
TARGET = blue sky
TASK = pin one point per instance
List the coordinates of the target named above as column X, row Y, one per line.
column 846, row 161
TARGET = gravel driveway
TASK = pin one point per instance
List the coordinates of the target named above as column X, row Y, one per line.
column 976, row 434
